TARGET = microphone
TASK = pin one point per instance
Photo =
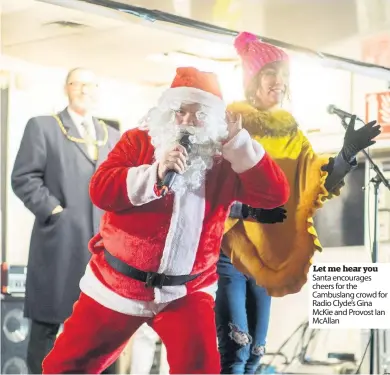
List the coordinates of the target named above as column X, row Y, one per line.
column 333, row 110
column 170, row 176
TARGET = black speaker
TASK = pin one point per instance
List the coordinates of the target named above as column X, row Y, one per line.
column 341, row 221
column 15, row 331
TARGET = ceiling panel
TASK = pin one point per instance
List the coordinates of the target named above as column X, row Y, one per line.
column 35, row 23
column 311, row 24
column 118, row 49
column 307, row 23
column 131, row 48
column 10, row 6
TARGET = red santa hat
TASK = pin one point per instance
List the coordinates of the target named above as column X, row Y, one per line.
column 255, row 54
column 194, row 86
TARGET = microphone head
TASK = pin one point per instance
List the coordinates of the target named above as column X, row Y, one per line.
column 185, row 139
column 330, row 109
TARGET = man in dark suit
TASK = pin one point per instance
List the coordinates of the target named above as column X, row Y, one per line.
column 57, row 157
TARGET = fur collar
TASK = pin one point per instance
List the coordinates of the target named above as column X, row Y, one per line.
column 275, row 123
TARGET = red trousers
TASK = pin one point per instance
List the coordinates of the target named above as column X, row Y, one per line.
column 94, row 337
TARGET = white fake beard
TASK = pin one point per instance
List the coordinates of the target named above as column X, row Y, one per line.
column 206, row 146
column 197, row 166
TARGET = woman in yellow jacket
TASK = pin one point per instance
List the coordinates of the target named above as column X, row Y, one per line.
column 268, row 252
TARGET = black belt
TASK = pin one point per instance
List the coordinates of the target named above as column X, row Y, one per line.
column 151, row 279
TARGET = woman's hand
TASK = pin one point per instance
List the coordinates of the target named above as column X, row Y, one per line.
column 357, row 140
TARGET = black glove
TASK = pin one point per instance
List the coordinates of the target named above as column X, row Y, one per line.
column 261, row 215
column 357, row 140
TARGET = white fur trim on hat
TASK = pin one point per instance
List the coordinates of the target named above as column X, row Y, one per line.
column 174, row 97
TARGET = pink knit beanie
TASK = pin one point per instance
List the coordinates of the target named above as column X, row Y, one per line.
column 255, row 54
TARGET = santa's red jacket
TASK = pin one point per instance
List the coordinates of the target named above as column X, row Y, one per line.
column 175, row 236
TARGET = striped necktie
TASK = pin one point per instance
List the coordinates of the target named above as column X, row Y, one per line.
column 90, row 141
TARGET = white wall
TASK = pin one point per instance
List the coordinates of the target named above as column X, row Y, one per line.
column 37, row 90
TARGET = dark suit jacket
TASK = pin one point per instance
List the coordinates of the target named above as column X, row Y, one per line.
column 52, row 170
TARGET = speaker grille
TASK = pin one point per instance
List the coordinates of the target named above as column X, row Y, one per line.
column 15, row 329
column 15, row 326
column 15, row 365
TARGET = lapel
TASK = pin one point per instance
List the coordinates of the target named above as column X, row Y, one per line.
column 72, row 131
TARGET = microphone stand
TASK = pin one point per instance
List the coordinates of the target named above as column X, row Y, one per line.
column 375, row 181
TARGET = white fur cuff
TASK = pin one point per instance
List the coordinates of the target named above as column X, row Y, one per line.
column 242, row 152
column 140, row 183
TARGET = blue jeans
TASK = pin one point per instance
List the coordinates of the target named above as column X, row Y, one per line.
column 242, row 318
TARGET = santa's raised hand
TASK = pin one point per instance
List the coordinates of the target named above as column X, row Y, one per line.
column 234, row 124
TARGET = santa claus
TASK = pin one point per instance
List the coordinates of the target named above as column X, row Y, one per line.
column 155, row 257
